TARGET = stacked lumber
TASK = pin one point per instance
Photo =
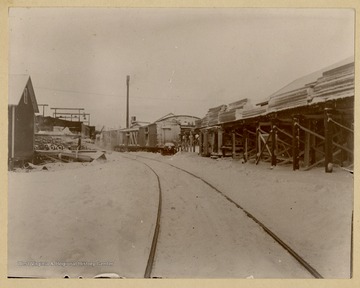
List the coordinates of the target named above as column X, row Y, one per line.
column 198, row 123
column 254, row 111
column 227, row 116
column 298, row 97
column 239, row 113
column 334, row 84
column 240, row 104
column 205, row 121
column 331, row 84
column 212, row 116
column 323, row 85
column 234, row 111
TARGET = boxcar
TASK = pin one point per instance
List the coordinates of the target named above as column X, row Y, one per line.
column 161, row 136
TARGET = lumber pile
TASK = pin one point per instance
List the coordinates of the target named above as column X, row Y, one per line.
column 212, row 116
column 254, row 111
column 224, row 113
column 55, row 142
column 240, row 104
column 227, row 116
column 290, row 99
column 198, row 123
column 234, row 111
column 323, row 85
column 205, row 121
column 334, row 84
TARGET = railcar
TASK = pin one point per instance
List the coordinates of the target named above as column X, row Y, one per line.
column 162, row 136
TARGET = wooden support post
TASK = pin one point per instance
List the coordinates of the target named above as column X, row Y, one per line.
column 273, row 143
column 246, row 136
column 212, row 144
column 191, row 142
column 126, row 139
column 257, row 141
column 262, row 150
column 206, row 143
column 328, row 141
column 343, row 154
column 312, row 143
column 320, row 161
column 307, row 145
column 233, row 138
column 295, row 143
column 220, row 141
column 187, row 146
column 200, row 142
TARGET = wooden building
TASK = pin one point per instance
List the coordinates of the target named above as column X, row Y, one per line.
column 22, row 107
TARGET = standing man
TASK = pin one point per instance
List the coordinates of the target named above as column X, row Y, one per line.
column 191, row 139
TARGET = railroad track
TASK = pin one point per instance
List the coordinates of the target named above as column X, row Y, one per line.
column 151, row 258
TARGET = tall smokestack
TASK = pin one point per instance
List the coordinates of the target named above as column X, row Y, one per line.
column 127, row 100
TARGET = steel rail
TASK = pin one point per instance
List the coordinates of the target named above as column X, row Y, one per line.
column 151, row 258
column 297, row 257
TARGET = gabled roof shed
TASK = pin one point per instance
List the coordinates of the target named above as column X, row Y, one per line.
column 22, row 106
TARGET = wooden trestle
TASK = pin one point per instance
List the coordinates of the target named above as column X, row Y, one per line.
column 305, row 137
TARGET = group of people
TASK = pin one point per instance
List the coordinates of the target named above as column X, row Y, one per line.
column 188, row 140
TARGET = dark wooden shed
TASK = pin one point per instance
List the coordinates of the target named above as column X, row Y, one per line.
column 22, row 107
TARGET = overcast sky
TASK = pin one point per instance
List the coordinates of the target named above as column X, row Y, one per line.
column 180, row 60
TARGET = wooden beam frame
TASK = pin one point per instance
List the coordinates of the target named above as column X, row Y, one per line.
column 246, row 139
column 273, row 143
column 295, row 143
column 263, row 147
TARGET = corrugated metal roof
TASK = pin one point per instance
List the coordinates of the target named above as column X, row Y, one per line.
column 17, row 84
column 301, row 82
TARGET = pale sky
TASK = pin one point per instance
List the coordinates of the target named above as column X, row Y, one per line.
column 184, row 60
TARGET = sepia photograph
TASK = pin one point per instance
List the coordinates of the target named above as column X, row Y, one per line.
column 180, row 143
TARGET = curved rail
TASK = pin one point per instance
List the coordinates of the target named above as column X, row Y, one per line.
column 297, row 257
column 151, row 258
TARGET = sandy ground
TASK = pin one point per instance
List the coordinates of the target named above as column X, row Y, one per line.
column 81, row 220
column 203, row 235
column 310, row 210
column 91, row 212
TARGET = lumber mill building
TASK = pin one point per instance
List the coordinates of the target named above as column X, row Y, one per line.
column 307, row 123
column 22, row 107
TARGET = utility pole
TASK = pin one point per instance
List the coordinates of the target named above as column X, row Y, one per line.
column 127, row 100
